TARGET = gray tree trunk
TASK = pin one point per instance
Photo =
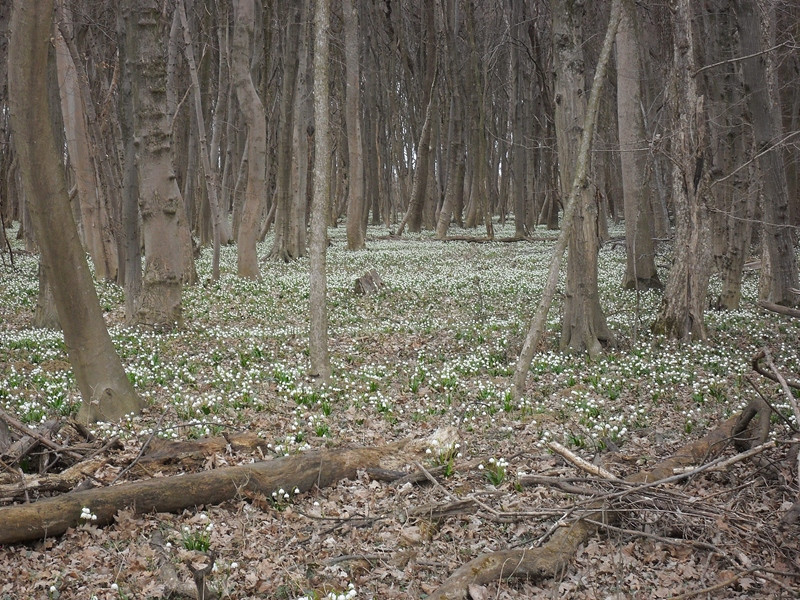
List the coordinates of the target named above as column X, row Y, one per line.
column 584, row 324
column 160, row 201
column 318, row 310
column 780, row 278
column 253, row 110
column 682, row 311
column 640, row 270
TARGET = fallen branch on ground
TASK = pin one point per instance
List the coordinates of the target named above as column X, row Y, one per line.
column 53, row 516
column 551, row 559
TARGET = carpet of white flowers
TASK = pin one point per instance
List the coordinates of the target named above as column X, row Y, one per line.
column 437, row 346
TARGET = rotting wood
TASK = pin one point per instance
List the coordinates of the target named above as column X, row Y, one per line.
column 53, row 516
column 56, row 482
column 552, row 558
column 369, row 283
column 780, row 309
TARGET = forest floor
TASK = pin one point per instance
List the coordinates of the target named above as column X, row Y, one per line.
column 436, row 347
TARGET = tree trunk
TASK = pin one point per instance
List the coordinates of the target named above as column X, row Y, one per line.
column 104, row 386
column 584, row 324
column 131, row 234
column 318, row 309
column 780, row 279
column 160, row 201
column 253, row 110
column 579, row 183
column 681, row 314
column 281, row 247
column 218, row 221
column 79, row 147
column 53, row 516
column 355, row 161
column 640, row 270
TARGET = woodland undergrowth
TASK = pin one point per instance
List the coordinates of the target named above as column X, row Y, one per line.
column 436, row 346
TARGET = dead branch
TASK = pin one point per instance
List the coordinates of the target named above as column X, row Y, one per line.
column 783, row 310
column 53, row 516
column 756, row 363
column 552, row 558
column 581, row 463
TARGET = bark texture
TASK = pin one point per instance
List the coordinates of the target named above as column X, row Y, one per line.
column 682, row 312
column 160, row 200
column 640, row 269
column 584, row 324
column 250, row 103
column 318, row 309
column 107, row 393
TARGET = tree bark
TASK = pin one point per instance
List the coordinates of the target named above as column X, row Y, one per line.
column 53, row 516
column 640, row 269
column 780, row 278
column 584, row 324
column 681, row 316
column 318, row 309
column 355, row 160
column 218, row 221
column 160, row 201
column 281, row 247
column 107, row 393
column 253, row 110
column 536, row 328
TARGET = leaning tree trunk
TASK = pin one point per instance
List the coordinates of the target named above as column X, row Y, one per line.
column 779, row 280
column 640, row 269
column 584, row 324
column 579, row 183
column 104, row 386
column 682, row 310
column 253, row 110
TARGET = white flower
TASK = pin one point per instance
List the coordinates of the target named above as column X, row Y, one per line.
column 114, row 587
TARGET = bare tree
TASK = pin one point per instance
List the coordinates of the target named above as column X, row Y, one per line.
column 318, row 310
column 584, row 324
column 640, row 269
column 682, row 310
column 355, row 161
column 107, row 393
column 779, row 275
column 160, row 201
column 253, row 110
column 536, row 328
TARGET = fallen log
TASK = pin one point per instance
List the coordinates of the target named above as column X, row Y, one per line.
column 53, row 516
column 551, row 559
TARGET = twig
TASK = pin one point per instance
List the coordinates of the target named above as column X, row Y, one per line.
column 581, row 463
column 713, row 588
column 784, row 385
column 658, row 538
column 20, row 426
column 146, row 443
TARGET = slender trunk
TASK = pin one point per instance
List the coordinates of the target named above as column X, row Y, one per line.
column 209, row 172
column 318, row 310
column 682, row 312
column 780, row 280
column 640, row 269
column 355, row 171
